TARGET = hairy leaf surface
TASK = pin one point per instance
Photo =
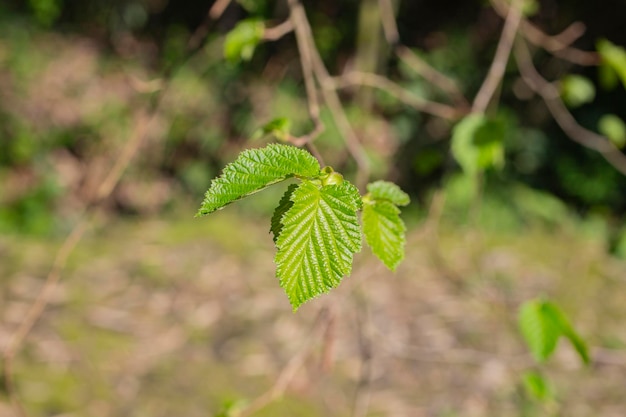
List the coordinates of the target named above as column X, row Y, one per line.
column 320, row 233
column 384, row 190
column 255, row 169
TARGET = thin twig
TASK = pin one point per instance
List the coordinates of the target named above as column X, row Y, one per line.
column 276, row 32
column 430, row 74
column 215, row 12
column 303, row 33
column 307, row 46
column 559, row 45
column 501, row 58
column 385, row 84
column 550, row 95
column 388, row 20
column 218, row 8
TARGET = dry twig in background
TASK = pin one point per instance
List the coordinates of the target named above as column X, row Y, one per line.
column 559, row 45
column 385, row 84
column 430, row 74
column 500, row 60
column 551, row 96
column 307, row 46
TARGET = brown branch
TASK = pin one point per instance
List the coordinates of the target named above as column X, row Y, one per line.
column 303, row 34
column 385, row 84
column 559, row 45
column 215, row 12
column 276, row 32
column 550, row 95
column 218, row 8
column 310, row 55
column 430, row 74
column 421, row 67
column 501, row 58
column 388, row 20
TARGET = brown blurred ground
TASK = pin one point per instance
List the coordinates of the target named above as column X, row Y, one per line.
column 175, row 316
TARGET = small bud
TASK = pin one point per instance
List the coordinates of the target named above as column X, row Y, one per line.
column 332, row 179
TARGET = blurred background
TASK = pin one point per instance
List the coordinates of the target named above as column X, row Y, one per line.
column 161, row 314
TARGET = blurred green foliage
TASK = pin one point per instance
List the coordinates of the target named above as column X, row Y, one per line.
column 213, row 107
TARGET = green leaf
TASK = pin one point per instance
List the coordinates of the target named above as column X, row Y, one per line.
column 537, row 387
column 530, row 7
column 613, row 128
column 242, row 40
column 278, row 127
column 382, row 225
column 539, row 329
column 284, row 205
column 613, row 57
column 477, row 143
column 607, row 76
column 384, row 231
column 554, row 313
column 542, row 323
column 255, row 169
column 577, row 90
column 384, row 190
column 319, row 236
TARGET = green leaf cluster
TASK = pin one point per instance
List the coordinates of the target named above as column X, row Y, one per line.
column 315, row 225
column 577, row 90
column 542, row 323
column 243, row 39
column 477, row 143
column 613, row 66
column 613, row 127
column 279, row 128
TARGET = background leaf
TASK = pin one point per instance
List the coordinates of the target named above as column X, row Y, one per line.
column 537, row 387
column 577, row 90
column 539, row 330
column 255, row 169
column 613, row 57
column 279, row 128
column 320, row 234
column 554, row 313
column 477, row 143
column 242, row 40
column 613, row 128
column 542, row 323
